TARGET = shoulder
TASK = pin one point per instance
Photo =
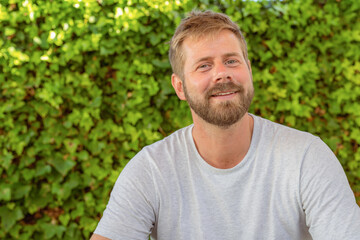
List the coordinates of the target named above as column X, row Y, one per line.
column 147, row 169
column 284, row 137
column 306, row 152
column 169, row 144
column 162, row 152
column 151, row 168
column 296, row 151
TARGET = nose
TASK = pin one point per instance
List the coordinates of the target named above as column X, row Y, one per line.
column 221, row 73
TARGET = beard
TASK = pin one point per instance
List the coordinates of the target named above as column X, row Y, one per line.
column 225, row 113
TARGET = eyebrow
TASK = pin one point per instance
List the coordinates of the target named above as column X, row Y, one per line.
column 231, row 54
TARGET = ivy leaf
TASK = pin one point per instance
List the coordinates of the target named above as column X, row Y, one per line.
column 51, row 230
column 6, row 159
column 62, row 165
column 9, row 217
column 20, row 190
column 5, row 192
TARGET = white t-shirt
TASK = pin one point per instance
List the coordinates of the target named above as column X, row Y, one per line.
column 289, row 186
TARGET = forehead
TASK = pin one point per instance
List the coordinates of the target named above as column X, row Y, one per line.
column 211, row 45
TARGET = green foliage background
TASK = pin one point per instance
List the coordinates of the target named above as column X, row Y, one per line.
column 85, row 84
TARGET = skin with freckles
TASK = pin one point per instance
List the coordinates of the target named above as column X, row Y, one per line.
column 218, row 86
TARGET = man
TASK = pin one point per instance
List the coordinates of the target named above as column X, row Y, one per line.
column 230, row 175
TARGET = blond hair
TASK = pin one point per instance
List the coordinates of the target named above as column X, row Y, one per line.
column 199, row 24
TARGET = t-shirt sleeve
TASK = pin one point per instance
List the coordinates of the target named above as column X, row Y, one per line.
column 328, row 201
column 130, row 212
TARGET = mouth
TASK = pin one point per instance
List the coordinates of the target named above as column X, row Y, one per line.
column 220, row 94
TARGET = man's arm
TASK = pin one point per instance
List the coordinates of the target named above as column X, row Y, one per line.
column 329, row 204
column 130, row 212
column 98, row 237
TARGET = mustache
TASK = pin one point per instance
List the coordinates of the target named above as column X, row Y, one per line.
column 224, row 87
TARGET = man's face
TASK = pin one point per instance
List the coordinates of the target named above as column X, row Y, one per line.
column 217, row 79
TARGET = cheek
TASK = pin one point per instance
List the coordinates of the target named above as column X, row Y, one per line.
column 198, row 83
column 244, row 77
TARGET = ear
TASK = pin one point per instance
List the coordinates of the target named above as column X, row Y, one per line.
column 178, row 86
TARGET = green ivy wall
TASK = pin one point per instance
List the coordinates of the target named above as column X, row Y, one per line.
column 84, row 85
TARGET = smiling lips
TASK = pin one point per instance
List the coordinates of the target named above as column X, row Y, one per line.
column 223, row 94
column 224, row 90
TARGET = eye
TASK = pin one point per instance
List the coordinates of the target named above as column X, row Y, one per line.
column 231, row 62
column 204, row 67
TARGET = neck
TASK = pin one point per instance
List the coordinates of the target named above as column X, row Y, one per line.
column 223, row 147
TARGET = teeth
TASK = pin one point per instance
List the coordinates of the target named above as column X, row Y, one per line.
column 222, row 94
